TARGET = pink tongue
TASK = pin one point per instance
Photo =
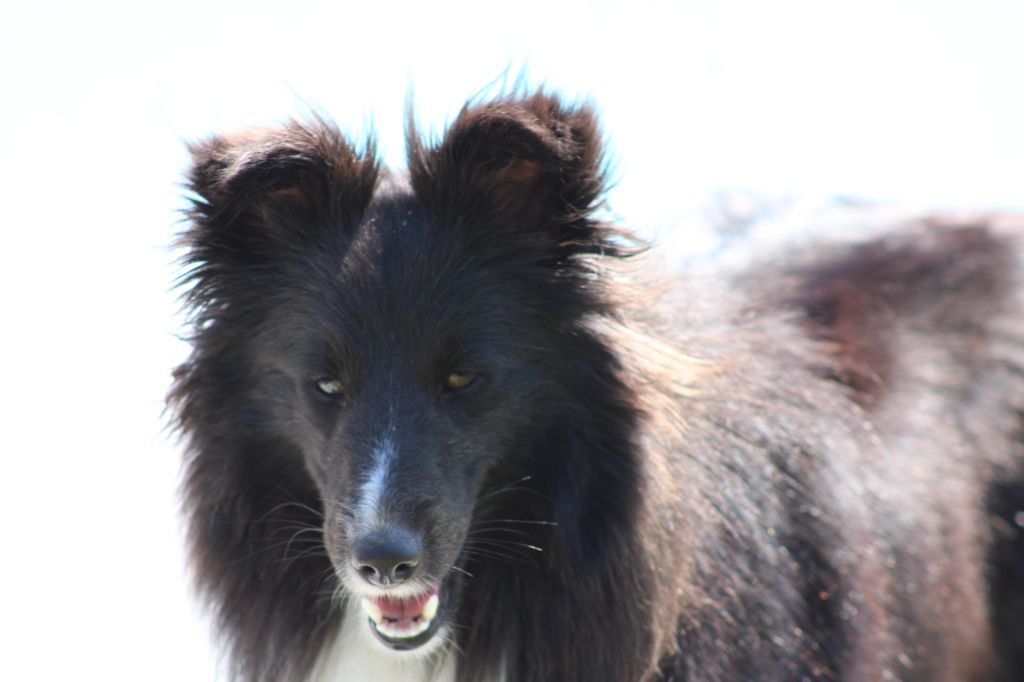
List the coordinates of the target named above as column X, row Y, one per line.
column 395, row 608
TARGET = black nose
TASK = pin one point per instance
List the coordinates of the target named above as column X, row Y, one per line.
column 387, row 557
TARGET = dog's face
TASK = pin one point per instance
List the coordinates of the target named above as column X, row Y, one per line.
column 406, row 366
column 401, row 337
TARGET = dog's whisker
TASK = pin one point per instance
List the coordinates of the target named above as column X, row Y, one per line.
column 461, row 570
column 305, row 554
column 511, row 486
column 509, row 544
column 489, row 552
column 482, row 531
column 525, row 521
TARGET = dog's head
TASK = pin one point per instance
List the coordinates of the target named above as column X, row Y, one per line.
column 401, row 340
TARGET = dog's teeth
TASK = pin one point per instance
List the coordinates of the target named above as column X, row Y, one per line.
column 388, row 630
column 430, row 608
column 393, row 630
column 372, row 610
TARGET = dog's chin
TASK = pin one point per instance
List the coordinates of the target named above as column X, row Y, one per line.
column 407, row 620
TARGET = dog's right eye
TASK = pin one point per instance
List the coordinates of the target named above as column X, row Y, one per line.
column 458, row 381
column 329, row 387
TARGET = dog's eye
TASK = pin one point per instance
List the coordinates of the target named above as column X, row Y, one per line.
column 457, row 381
column 328, row 386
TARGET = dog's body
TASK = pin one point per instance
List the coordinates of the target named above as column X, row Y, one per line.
column 434, row 435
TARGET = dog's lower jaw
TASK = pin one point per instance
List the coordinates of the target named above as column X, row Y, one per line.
column 356, row 654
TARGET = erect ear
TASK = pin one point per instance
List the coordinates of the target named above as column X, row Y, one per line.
column 530, row 163
column 259, row 190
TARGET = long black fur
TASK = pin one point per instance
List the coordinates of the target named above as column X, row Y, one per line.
column 811, row 469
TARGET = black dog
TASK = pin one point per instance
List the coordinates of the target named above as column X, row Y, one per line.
column 440, row 428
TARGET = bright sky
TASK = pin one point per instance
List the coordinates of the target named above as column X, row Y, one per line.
column 912, row 102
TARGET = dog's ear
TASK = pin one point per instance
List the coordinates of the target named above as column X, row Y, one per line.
column 261, row 190
column 516, row 164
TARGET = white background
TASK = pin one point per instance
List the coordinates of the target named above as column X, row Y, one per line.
column 910, row 102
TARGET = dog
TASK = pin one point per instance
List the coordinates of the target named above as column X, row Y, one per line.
column 451, row 424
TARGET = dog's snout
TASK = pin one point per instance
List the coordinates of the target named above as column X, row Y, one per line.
column 388, row 557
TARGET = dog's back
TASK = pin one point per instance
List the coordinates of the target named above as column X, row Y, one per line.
column 855, row 425
column 925, row 327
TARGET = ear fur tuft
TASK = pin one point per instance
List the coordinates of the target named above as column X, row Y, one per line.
column 518, row 163
column 247, row 181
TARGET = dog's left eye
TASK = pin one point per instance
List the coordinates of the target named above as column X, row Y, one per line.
column 457, row 381
column 329, row 386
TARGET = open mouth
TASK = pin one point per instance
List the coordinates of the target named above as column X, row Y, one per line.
column 405, row 623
